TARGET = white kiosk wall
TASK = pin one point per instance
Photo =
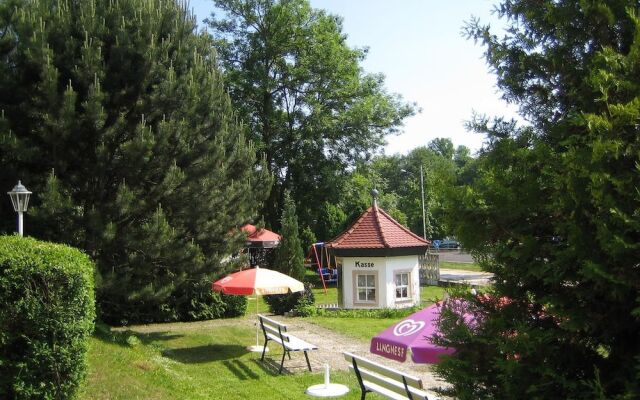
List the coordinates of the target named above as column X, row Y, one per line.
column 410, row 268
column 370, row 282
column 359, row 274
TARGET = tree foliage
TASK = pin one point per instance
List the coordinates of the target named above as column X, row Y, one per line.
column 397, row 178
column 553, row 211
column 289, row 258
column 309, row 106
column 114, row 114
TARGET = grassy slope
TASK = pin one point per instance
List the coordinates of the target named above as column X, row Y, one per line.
column 459, row 265
column 204, row 361
column 193, row 362
column 365, row 328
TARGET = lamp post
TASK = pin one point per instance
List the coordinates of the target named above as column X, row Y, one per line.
column 424, row 212
column 20, row 199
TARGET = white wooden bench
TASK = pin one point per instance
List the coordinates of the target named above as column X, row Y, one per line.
column 275, row 331
column 388, row 382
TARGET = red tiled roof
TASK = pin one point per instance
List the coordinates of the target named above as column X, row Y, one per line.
column 260, row 235
column 249, row 229
column 375, row 229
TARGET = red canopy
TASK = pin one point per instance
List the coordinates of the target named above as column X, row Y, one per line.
column 260, row 237
column 257, row 281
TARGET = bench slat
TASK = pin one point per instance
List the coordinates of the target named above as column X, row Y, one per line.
column 363, row 363
column 388, row 393
column 390, row 385
column 293, row 344
column 270, row 329
column 274, row 323
column 297, row 344
column 386, row 381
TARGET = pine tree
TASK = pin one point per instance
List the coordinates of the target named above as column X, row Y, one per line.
column 289, row 255
column 115, row 116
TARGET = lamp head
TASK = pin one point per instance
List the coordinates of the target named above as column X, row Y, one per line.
column 19, row 197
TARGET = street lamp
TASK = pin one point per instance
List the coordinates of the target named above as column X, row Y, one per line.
column 20, row 199
column 424, row 213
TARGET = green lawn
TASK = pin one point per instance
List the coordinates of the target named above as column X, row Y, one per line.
column 359, row 328
column 365, row 328
column 193, row 361
column 459, row 265
column 209, row 360
column 331, row 297
column 427, row 295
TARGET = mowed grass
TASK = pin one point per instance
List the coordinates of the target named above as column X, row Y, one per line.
column 365, row 328
column 194, row 361
column 460, row 265
column 358, row 328
column 428, row 295
column 209, row 360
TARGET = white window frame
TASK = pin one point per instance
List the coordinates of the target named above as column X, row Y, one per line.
column 356, row 288
column 407, row 286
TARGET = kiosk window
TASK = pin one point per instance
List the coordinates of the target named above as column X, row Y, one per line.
column 366, row 287
column 402, row 285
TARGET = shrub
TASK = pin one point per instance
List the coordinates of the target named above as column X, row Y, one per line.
column 298, row 301
column 46, row 318
column 207, row 304
column 373, row 313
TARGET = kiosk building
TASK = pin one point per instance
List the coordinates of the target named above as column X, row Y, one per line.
column 378, row 262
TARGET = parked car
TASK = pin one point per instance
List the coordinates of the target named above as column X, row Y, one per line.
column 449, row 244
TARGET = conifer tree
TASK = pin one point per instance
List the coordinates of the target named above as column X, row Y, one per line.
column 289, row 255
column 553, row 210
column 115, row 116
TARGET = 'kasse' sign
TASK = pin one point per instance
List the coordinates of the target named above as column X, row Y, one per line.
column 364, row 264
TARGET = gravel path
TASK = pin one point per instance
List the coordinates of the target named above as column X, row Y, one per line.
column 331, row 345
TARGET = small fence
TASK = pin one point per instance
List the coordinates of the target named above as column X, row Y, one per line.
column 429, row 269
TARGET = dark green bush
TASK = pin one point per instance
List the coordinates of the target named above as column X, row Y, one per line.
column 207, row 304
column 298, row 301
column 46, row 317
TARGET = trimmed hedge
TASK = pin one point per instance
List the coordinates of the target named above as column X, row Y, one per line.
column 46, row 318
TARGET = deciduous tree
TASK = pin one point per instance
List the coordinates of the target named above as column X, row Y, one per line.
column 309, row 106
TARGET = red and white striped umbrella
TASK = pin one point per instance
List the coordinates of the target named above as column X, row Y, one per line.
column 257, row 281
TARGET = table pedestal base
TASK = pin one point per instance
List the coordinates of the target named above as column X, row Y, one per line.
column 330, row 390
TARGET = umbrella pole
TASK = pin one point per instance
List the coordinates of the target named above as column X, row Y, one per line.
column 257, row 348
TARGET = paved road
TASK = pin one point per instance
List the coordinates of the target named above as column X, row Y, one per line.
column 455, row 256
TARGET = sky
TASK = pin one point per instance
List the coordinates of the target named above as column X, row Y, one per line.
column 418, row 45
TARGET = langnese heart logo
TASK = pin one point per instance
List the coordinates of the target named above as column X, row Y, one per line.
column 408, row 327
column 225, row 280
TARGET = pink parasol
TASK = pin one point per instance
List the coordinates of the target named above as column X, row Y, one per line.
column 412, row 334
